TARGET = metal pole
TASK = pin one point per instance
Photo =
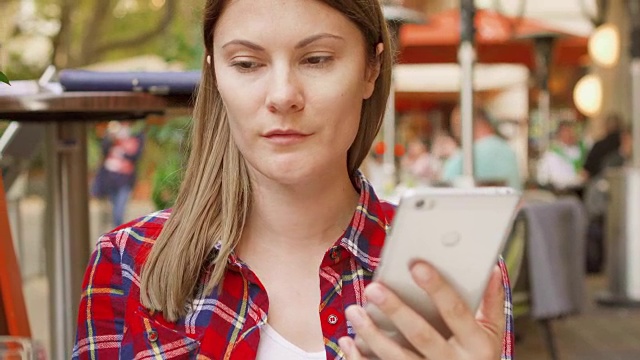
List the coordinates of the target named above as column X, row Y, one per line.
column 634, row 11
column 68, row 214
column 544, row 113
column 543, row 51
column 466, row 59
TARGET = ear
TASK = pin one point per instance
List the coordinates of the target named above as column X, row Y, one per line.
column 372, row 73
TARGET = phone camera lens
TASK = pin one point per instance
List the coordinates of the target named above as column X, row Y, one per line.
column 425, row 204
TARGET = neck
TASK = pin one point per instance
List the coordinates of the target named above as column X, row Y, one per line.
column 306, row 217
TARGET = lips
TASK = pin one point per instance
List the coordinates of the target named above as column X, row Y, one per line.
column 284, row 132
column 285, row 136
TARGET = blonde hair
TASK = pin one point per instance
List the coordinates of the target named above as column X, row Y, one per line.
column 215, row 195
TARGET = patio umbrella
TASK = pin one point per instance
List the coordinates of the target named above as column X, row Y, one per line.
column 499, row 39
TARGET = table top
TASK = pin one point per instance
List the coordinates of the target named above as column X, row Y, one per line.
column 91, row 106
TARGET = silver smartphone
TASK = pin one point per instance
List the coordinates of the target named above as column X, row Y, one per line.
column 459, row 231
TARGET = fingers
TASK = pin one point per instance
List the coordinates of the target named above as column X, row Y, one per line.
column 479, row 336
column 349, row 348
column 490, row 314
column 422, row 336
column 453, row 309
column 379, row 343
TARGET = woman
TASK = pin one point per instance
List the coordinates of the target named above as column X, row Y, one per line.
column 274, row 232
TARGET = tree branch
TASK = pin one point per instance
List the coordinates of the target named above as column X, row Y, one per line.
column 144, row 37
column 61, row 41
column 94, row 26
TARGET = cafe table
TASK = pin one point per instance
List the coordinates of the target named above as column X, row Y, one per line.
column 66, row 116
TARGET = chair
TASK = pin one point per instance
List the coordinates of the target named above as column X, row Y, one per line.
column 13, row 313
column 516, row 259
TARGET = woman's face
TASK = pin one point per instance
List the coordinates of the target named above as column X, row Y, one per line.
column 292, row 75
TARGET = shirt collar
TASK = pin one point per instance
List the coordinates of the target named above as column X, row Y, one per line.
column 365, row 235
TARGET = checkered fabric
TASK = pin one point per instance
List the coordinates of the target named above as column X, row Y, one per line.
column 113, row 324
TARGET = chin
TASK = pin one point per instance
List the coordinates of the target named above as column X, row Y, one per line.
column 284, row 172
column 292, row 171
column 293, row 177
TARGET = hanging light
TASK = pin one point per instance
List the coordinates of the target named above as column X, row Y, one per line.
column 604, row 45
column 587, row 95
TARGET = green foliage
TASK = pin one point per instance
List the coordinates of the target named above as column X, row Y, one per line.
column 166, row 150
column 4, row 78
column 101, row 30
column 21, row 71
column 183, row 42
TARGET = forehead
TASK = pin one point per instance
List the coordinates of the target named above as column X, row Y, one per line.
column 272, row 20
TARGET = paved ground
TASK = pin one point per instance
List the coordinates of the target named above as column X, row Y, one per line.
column 598, row 334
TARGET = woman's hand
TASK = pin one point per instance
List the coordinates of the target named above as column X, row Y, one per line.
column 476, row 337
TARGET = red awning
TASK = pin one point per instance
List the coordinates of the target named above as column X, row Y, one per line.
column 499, row 39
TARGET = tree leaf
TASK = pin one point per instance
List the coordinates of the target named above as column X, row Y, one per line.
column 4, row 78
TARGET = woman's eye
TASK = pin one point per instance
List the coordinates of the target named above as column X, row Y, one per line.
column 245, row 66
column 318, row 61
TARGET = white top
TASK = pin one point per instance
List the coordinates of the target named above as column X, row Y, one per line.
column 273, row 346
column 558, row 170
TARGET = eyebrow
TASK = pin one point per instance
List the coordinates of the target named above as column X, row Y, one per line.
column 246, row 43
column 299, row 45
column 317, row 37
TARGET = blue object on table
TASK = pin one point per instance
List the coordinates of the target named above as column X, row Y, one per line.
column 163, row 83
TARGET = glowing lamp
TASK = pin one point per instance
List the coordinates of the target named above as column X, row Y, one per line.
column 604, row 45
column 587, row 95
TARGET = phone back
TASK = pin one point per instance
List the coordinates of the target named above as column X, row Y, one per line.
column 459, row 231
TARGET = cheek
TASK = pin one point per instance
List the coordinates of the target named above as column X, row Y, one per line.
column 241, row 104
column 238, row 113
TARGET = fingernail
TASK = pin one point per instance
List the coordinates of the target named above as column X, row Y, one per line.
column 355, row 315
column 422, row 272
column 375, row 294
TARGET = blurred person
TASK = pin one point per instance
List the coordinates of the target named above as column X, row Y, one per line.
column 116, row 177
column 602, row 148
column 494, row 159
column 560, row 167
column 419, row 165
column 596, row 200
column 621, row 157
column 444, row 146
column 596, row 192
column 270, row 249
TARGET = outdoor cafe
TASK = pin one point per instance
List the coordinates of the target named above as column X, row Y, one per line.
column 504, row 64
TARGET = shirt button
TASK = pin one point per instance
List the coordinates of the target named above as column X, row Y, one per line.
column 332, row 319
column 334, row 254
column 152, row 335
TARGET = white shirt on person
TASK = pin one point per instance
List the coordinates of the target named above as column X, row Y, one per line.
column 273, row 346
column 557, row 167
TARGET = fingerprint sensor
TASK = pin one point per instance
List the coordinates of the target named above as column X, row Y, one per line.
column 450, row 239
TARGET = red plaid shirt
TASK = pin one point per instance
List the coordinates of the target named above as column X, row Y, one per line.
column 113, row 324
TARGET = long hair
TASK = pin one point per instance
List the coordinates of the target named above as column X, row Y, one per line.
column 215, row 195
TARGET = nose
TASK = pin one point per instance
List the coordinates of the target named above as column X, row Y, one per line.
column 285, row 93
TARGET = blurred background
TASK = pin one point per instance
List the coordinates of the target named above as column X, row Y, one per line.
column 553, row 82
